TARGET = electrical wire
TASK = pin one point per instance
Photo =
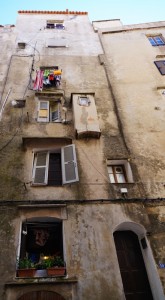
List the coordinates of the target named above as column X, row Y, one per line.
column 93, row 165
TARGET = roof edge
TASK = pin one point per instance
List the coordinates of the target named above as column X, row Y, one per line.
column 65, row 12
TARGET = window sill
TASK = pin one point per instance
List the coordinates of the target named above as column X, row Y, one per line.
column 41, row 280
column 45, row 185
column 119, row 183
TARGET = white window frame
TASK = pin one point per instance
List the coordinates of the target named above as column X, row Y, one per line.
column 68, row 165
column 48, row 118
column 126, row 167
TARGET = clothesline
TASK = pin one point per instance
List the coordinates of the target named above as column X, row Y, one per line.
column 47, row 78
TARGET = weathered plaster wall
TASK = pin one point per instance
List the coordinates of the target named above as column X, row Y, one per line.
column 126, row 96
column 135, row 79
column 88, row 245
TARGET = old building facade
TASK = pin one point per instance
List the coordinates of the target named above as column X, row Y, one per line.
column 82, row 157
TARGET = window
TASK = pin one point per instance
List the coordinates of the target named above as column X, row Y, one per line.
column 21, row 45
column 117, row 174
column 156, row 40
column 41, row 237
column 51, row 77
column 55, row 167
column 46, row 78
column 119, row 171
column 55, row 24
column 84, row 101
column 49, row 111
column 161, row 66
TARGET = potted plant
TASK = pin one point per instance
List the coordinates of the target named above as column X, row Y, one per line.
column 55, row 266
column 26, row 268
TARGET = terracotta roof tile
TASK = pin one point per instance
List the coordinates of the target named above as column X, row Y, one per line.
column 52, row 12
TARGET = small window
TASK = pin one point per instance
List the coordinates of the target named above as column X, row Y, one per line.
column 21, row 45
column 49, row 111
column 55, row 24
column 156, row 40
column 161, row 66
column 119, row 171
column 55, row 168
column 117, row 174
column 84, row 101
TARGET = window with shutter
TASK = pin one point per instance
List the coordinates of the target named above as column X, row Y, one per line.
column 49, row 111
column 55, row 168
column 161, row 66
column 40, row 168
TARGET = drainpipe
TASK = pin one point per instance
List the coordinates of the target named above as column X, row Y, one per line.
column 4, row 103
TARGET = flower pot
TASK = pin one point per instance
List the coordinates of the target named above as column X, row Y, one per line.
column 56, row 271
column 26, row 272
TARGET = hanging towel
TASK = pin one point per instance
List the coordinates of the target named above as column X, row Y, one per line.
column 38, row 83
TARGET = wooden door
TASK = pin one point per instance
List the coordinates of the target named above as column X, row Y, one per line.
column 41, row 295
column 132, row 268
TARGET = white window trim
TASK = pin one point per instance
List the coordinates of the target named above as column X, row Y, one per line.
column 48, row 119
column 127, row 167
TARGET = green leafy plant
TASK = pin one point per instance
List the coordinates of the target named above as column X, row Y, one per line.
column 55, row 261
column 58, row 261
column 25, row 263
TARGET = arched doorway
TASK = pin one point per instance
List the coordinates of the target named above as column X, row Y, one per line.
column 41, row 295
column 132, row 268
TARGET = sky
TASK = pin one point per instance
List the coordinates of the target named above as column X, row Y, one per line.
column 128, row 11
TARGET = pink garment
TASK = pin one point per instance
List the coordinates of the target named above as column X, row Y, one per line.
column 38, row 83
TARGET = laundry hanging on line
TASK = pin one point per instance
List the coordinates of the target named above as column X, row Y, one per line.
column 47, row 78
column 38, row 83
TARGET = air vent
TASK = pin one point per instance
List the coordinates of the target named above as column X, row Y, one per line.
column 21, row 45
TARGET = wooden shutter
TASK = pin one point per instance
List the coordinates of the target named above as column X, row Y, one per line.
column 40, row 169
column 69, row 164
column 43, row 111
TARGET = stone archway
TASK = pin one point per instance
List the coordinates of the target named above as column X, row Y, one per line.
column 41, row 295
